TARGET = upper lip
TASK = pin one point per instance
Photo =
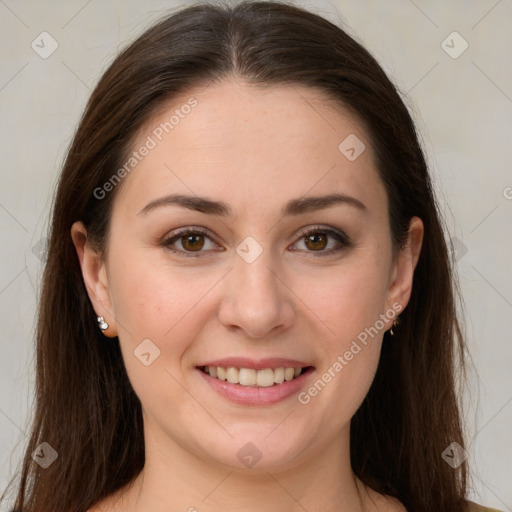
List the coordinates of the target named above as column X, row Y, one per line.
column 256, row 364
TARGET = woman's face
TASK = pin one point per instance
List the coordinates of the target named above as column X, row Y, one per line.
column 278, row 271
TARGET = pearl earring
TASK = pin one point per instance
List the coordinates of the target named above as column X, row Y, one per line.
column 102, row 324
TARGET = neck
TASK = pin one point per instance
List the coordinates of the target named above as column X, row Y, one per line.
column 174, row 478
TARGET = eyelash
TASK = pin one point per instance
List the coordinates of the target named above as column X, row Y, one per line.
column 339, row 236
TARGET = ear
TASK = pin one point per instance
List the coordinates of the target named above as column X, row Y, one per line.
column 402, row 274
column 95, row 277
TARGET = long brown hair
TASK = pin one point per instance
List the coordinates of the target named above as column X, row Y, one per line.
column 85, row 407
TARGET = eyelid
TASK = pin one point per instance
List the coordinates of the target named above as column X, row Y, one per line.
column 320, row 228
column 342, row 239
column 180, row 232
column 340, row 236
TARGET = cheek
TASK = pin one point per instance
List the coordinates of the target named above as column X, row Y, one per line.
column 351, row 350
column 168, row 307
column 152, row 298
column 347, row 299
column 347, row 383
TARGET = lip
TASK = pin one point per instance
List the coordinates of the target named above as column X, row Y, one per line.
column 256, row 396
column 260, row 364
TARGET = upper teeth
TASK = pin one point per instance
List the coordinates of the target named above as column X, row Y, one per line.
column 250, row 377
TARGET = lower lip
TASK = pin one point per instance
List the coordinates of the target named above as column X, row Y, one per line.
column 251, row 395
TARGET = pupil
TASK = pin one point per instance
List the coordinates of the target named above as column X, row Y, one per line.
column 193, row 242
column 318, row 240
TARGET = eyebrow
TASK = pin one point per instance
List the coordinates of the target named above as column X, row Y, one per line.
column 293, row 207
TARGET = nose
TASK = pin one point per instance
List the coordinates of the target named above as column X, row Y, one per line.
column 255, row 300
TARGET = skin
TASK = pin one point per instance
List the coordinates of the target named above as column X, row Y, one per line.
column 254, row 149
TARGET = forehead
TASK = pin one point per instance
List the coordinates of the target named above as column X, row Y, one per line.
column 253, row 147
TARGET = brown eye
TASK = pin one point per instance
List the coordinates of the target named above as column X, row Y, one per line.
column 316, row 241
column 192, row 242
column 322, row 241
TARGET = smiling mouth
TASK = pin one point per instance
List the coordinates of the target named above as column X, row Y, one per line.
column 250, row 377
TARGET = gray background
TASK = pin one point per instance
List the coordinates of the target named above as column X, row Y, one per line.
column 463, row 109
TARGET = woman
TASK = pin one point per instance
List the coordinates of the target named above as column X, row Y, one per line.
column 248, row 301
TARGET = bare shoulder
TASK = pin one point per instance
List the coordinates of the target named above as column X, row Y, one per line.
column 474, row 507
column 122, row 500
column 377, row 502
column 391, row 505
column 388, row 504
column 112, row 503
column 101, row 506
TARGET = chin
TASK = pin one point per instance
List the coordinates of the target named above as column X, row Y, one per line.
column 250, row 450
